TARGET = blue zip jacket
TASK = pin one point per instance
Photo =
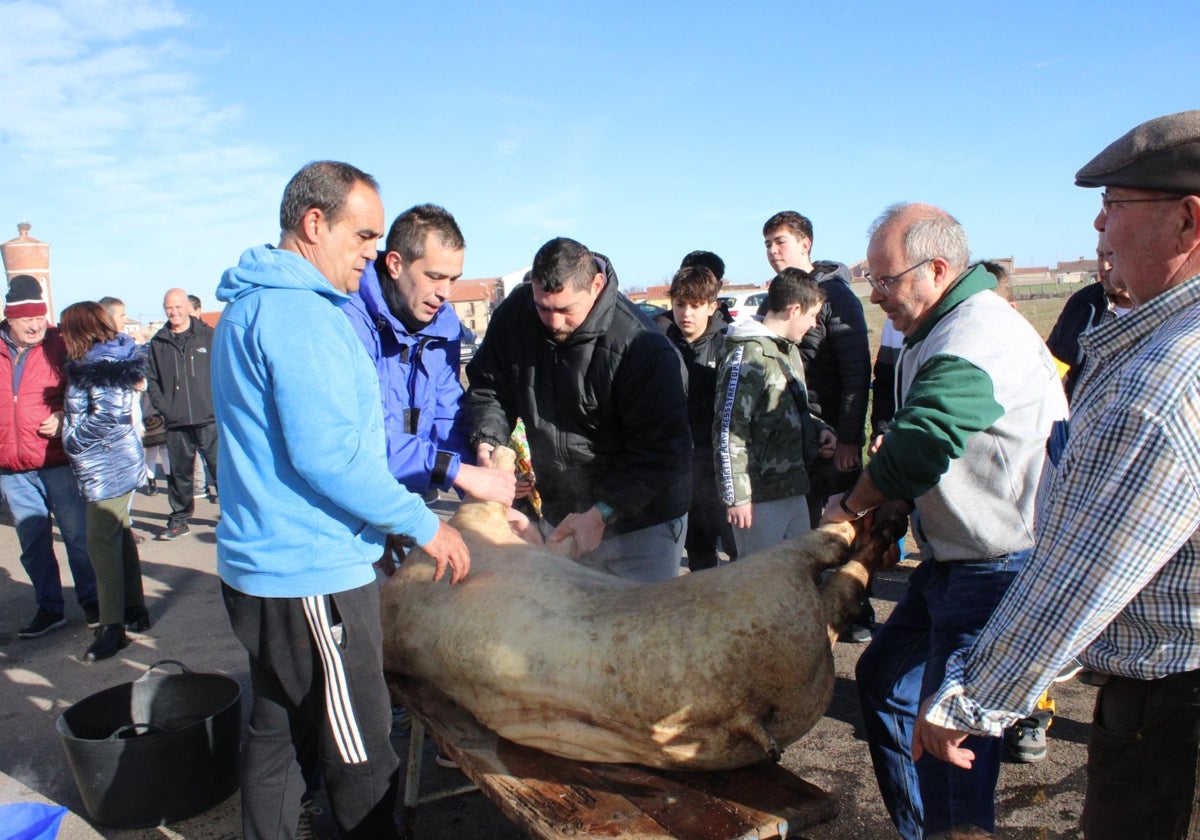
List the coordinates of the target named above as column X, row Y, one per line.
column 98, row 433
column 305, row 491
column 424, row 411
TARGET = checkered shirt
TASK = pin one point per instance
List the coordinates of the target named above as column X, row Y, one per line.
column 1115, row 576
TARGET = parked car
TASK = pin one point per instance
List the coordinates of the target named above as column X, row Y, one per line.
column 650, row 309
column 743, row 305
column 469, row 345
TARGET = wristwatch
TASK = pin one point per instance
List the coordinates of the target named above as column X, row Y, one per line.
column 606, row 511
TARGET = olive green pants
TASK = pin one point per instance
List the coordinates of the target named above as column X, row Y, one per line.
column 114, row 557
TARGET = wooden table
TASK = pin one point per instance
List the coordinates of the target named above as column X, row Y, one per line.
column 556, row 798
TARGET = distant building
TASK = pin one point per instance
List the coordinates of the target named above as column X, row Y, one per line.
column 474, row 301
column 26, row 255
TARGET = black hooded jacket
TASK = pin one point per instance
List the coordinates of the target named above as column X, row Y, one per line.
column 837, row 356
column 605, row 411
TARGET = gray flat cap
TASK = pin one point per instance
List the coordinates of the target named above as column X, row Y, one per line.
column 1162, row 154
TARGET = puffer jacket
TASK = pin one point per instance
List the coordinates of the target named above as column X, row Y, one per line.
column 39, row 394
column 98, row 432
column 837, row 355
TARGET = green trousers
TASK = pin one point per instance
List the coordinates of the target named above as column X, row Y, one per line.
column 114, row 557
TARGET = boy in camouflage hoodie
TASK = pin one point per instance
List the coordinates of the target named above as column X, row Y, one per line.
column 764, row 434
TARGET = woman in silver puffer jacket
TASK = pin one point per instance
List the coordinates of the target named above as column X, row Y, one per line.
column 105, row 374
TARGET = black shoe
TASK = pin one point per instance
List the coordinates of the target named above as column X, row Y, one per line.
column 42, row 623
column 174, row 532
column 1025, row 740
column 137, row 619
column 92, row 613
column 212, row 496
column 110, row 638
column 151, row 487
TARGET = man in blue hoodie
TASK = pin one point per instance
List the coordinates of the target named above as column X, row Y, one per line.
column 403, row 316
column 307, row 499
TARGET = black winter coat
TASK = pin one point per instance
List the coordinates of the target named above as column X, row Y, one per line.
column 179, row 380
column 837, row 356
column 605, row 411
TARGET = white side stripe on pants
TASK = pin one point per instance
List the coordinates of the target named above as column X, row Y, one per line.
column 338, row 704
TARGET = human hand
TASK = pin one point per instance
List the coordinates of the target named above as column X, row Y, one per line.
column 740, row 516
column 483, row 454
column 523, row 527
column 448, row 550
column 486, row 484
column 51, row 427
column 940, row 742
column 847, row 456
column 523, row 488
column 587, row 528
column 874, row 445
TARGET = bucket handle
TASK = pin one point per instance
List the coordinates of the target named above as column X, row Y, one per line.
column 131, row 729
column 185, row 669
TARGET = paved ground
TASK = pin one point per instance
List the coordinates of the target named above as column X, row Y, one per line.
column 41, row 677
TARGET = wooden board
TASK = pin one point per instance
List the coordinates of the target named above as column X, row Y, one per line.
column 557, row 798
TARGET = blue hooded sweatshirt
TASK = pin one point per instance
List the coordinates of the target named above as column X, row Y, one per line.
column 424, row 409
column 305, row 490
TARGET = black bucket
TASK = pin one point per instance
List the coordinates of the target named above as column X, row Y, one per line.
column 160, row 749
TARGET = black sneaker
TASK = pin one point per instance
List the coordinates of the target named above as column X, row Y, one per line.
column 42, row 623
column 174, row 532
column 92, row 613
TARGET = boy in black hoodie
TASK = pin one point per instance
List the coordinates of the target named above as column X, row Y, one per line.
column 697, row 329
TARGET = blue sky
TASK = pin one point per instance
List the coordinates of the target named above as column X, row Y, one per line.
column 149, row 141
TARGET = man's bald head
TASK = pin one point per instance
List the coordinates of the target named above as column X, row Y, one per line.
column 178, row 310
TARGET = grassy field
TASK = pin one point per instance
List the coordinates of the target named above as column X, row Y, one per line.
column 1042, row 313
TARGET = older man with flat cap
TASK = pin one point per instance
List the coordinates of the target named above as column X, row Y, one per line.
column 1124, row 600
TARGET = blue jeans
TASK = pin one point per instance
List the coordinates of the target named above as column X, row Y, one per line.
column 32, row 497
column 944, row 609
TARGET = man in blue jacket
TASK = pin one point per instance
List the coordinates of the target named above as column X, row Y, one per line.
column 307, row 498
column 403, row 316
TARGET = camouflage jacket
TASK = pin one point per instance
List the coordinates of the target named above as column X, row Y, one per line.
column 763, row 432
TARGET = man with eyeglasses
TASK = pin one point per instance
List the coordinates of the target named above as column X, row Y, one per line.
column 1117, row 563
column 977, row 394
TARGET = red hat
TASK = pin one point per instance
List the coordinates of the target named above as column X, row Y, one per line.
column 24, row 298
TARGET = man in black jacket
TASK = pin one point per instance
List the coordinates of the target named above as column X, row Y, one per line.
column 603, row 398
column 181, row 391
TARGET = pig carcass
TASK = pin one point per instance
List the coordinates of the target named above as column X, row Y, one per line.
column 712, row 670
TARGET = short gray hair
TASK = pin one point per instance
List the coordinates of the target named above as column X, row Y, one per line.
column 931, row 232
column 323, row 184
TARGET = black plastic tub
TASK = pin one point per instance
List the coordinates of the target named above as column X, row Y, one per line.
column 156, row 750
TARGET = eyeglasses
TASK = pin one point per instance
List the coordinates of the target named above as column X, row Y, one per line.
column 883, row 284
column 1107, row 203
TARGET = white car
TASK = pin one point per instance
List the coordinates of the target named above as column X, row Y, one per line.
column 744, row 304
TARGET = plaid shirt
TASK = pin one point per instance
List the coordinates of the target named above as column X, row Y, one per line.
column 1115, row 576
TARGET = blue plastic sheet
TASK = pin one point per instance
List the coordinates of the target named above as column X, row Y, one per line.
column 30, row 821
